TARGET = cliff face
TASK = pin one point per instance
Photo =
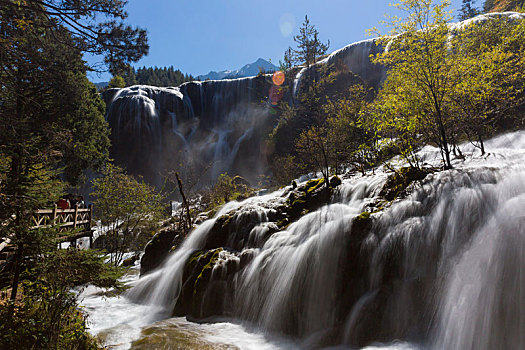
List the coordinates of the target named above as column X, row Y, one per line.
column 210, row 127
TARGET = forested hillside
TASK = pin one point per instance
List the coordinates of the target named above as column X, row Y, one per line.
column 502, row 5
column 154, row 76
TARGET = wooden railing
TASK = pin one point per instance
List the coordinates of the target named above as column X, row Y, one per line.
column 65, row 219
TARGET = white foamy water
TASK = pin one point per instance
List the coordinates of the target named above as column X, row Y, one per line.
column 457, row 238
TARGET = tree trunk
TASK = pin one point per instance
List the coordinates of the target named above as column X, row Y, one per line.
column 185, row 204
column 15, row 282
column 481, row 145
column 444, row 141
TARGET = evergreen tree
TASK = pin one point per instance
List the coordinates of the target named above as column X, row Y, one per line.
column 468, row 10
column 129, row 75
column 163, row 77
column 309, row 47
column 97, row 26
column 52, row 123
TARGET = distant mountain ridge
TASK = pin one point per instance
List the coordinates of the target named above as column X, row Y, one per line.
column 248, row 70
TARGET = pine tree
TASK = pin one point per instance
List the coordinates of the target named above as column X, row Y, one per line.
column 309, row 47
column 468, row 10
column 97, row 25
column 52, row 123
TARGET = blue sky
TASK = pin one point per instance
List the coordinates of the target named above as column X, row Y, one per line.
column 197, row 36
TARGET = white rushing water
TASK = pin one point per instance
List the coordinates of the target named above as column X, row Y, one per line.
column 441, row 269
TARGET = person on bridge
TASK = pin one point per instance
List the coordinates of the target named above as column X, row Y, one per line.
column 63, row 204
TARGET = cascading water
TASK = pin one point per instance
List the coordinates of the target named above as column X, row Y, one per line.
column 483, row 305
column 154, row 130
column 440, row 269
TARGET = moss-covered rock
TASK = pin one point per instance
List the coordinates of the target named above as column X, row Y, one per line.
column 362, row 219
column 159, row 247
column 206, row 293
column 398, row 182
column 218, row 235
column 232, row 230
column 240, row 181
column 335, row 181
column 307, row 197
column 130, row 261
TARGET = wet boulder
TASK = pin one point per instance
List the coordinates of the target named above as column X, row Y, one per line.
column 399, row 181
column 207, row 284
column 159, row 247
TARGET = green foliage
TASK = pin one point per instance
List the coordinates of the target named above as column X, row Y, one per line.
column 468, row 10
column 51, row 124
column 227, row 189
column 87, row 131
column 129, row 210
column 492, row 87
column 97, row 27
column 154, row 76
column 442, row 88
column 52, row 128
column 46, row 315
column 116, row 82
column 309, row 47
column 341, row 134
column 285, row 169
column 349, row 130
column 312, row 129
column 421, row 76
column 163, row 76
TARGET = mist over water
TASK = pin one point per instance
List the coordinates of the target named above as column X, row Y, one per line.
column 204, row 127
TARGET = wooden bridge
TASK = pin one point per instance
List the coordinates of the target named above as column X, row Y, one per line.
column 72, row 224
column 66, row 220
column 77, row 220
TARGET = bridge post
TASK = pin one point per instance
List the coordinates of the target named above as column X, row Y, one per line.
column 54, row 214
column 90, row 207
column 75, row 218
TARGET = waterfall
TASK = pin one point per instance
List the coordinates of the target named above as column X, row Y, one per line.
column 483, row 306
column 355, row 58
column 162, row 287
column 201, row 124
column 441, row 268
column 220, row 125
column 157, row 129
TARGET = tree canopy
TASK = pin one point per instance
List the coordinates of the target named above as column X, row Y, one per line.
column 96, row 27
column 444, row 86
column 309, row 46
